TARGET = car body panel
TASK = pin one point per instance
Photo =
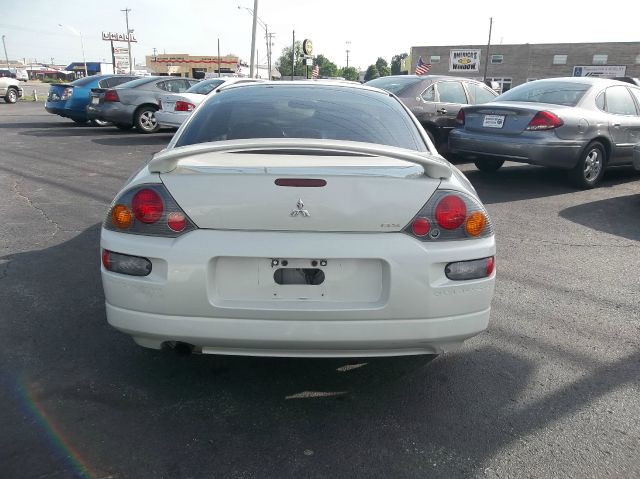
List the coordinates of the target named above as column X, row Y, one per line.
column 559, row 147
column 8, row 82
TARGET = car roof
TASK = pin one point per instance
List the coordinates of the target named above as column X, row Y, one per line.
column 582, row 80
column 312, row 83
column 431, row 77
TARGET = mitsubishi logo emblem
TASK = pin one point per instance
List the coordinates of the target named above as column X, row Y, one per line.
column 300, row 211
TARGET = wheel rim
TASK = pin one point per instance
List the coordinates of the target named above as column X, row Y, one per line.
column 592, row 165
column 148, row 120
column 12, row 96
column 100, row 122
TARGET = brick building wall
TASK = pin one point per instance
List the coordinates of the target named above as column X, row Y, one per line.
column 532, row 61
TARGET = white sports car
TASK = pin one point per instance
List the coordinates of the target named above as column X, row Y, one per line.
column 175, row 108
column 299, row 219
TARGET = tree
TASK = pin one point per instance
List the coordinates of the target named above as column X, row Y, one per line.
column 327, row 67
column 372, row 72
column 383, row 67
column 349, row 73
column 396, row 62
column 284, row 62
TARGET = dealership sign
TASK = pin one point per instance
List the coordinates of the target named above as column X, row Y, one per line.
column 464, row 61
column 121, row 57
column 118, row 37
column 599, row 71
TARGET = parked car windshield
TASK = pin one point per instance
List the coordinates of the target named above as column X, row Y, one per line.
column 303, row 111
column 394, row 84
column 205, row 87
column 554, row 92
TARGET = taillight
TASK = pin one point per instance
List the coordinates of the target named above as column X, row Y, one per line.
column 474, row 269
column 147, row 206
column 148, row 210
column 67, row 93
column 125, row 264
column 451, row 212
column 184, row 106
column 460, row 117
column 544, row 120
column 450, row 215
column 111, row 95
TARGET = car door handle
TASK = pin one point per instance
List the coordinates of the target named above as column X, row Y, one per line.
column 442, row 110
column 616, row 125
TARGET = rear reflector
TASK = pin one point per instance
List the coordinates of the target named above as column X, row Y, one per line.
column 544, row 120
column 301, row 182
column 125, row 264
column 475, row 269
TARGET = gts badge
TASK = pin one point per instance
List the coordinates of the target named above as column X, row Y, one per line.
column 390, row 225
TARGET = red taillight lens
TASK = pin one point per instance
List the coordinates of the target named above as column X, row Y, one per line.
column 460, row 117
column 451, row 212
column 544, row 120
column 491, row 264
column 105, row 259
column 147, row 206
column 111, row 95
column 184, row 106
column 177, row 222
column 420, row 226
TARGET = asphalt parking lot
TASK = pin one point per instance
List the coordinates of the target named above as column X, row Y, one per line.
column 551, row 389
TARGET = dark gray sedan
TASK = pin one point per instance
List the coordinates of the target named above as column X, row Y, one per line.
column 578, row 124
column 136, row 102
column 435, row 100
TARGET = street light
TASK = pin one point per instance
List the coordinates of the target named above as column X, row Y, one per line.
column 267, row 36
column 76, row 32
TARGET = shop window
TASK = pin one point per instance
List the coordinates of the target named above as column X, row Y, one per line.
column 497, row 59
column 560, row 59
column 599, row 59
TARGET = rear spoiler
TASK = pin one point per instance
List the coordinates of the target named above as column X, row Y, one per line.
column 167, row 160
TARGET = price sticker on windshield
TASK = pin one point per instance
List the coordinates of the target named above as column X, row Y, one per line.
column 493, row 121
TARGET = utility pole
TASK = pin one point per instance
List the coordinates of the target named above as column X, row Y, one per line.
column 5, row 50
column 348, row 43
column 486, row 61
column 269, row 42
column 293, row 55
column 253, row 37
column 126, row 14
column 219, row 58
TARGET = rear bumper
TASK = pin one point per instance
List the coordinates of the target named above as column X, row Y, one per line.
column 171, row 119
column 55, row 107
column 114, row 112
column 193, row 295
column 301, row 337
column 542, row 149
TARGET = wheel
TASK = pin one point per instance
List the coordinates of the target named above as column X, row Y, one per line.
column 145, row 120
column 79, row 122
column 11, row 96
column 488, row 165
column 123, row 126
column 590, row 168
column 97, row 122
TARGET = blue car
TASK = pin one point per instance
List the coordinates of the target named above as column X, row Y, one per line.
column 70, row 100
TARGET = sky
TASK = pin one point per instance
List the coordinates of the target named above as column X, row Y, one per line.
column 373, row 29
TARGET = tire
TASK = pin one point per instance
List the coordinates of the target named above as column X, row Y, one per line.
column 11, row 96
column 488, row 165
column 79, row 122
column 123, row 126
column 590, row 168
column 145, row 120
column 99, row 123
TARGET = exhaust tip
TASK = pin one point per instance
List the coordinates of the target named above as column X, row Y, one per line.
column 179, row 347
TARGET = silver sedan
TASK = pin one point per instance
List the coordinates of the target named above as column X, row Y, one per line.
column 578, row 124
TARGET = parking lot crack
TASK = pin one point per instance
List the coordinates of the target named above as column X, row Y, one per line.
column 35, row 207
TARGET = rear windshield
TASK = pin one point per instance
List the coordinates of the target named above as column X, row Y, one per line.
column 205, row 87
column 138, row 82
column 554, row 92
column 85, row 81
column 394, row 84
column 301, row 111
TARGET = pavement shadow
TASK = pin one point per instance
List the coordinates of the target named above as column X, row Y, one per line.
column 247, row 417
column 513, row 183
column 617, row 216
column 161, row 138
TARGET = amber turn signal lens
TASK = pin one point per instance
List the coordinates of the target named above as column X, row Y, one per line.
column 475, row 223
column 121, row 216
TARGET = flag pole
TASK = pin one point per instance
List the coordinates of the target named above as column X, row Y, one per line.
column 486, row 61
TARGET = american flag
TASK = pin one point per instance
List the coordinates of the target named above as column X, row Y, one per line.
column 315, row 72
column 422, row 68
